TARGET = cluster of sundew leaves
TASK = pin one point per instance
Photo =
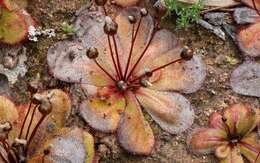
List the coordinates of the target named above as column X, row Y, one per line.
column 230, row 135
column 28, row 135
column 186, row 14
column 14, row 22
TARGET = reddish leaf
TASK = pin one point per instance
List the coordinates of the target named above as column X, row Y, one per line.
column 13, row 28
column 134, row 133
column 103, row 113
column 248, row 40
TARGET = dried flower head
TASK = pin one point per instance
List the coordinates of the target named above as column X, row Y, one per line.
column 28, row 135
column 230, row 135
column 138, row 65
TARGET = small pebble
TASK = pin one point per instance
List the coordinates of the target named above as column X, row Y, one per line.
column 245, row 15
column 215, row 18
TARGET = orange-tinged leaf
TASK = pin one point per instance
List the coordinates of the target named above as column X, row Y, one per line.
column 248, row 40
column 223, row 151
column 103, row 113
column 8, row 111
column 184, row 76
column 233, row 157
column 171, row 111
column 13, row 28
column 164, row 48
column 134, row 133
column 206, row 140
column 240, row 119
column 68, row 145
column 250, row 147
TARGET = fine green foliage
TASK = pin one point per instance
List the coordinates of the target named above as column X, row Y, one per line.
column 186, row 14
column 67, row 29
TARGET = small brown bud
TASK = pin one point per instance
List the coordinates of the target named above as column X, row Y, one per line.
column 186, row 53
column 110, row 27
column 92, row 53
column 148, row 73
column 44, row 102
column 143, row 12
column 160, row 8
column 45, row 107
column 132, row 19
column 100, row 2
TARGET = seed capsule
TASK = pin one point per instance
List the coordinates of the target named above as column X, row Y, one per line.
column 186, row 53
column 132, row 19
column 44, row 102
column 45, row 107
column 110, row 27
column 100, row 2
column 148, row 73
column 92, row 53
column 160, row 8
column 143, row 12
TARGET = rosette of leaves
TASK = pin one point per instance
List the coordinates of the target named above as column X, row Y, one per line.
column 230, row 135
column 245, row 79
column 14, row 22
column 126, row 62
column 34, row 132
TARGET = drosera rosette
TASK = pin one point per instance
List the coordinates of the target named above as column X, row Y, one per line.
column 123, row 63
column 14, row 23
column 230, row 135
column 35, row 132
column 245, row 79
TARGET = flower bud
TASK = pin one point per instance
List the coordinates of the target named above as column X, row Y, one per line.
column 92, row 53
column 110, row 27
column 186, row 53
column 132, row 19
column 143, row 12
column 160, row 8
column 45, row 108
